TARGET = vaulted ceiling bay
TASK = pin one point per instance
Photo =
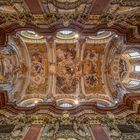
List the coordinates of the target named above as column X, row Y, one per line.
column 69, row 69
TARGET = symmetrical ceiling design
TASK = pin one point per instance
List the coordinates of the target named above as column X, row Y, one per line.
column 61, row 70
column 67, row 51
column 67, row 70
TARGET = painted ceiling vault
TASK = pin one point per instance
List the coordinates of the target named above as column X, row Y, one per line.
column 66, row 70
column 70, row 69
column 69, row 52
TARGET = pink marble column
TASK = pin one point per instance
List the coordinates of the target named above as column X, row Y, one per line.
column 98, row 132
column 33, row 132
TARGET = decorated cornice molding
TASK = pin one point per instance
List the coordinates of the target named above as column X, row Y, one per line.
column 131, row 103
column 128, row 33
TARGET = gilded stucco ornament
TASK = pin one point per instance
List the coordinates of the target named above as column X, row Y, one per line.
column 19, row 123
column 70, row 12
column 120, row 14
column 67, row 70
column 67, row 126
column 133, row 3
column 14, row 12
column 58, row 128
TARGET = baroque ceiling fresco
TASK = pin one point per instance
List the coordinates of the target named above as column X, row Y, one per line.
column 69, row 69
column 68, row 53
